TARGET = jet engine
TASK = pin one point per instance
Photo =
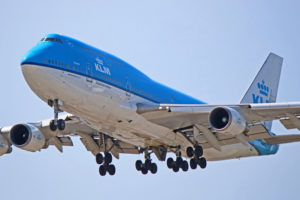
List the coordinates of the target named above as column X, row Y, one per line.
column 227, row 120
column 27, row 137
column 4, row 146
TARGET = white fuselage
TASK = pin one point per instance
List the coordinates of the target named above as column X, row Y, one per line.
column 112, row 111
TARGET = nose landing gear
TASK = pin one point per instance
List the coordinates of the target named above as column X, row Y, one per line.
column 56, row 123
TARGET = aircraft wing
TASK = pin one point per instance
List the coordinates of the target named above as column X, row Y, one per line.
column 176, row 116
column 91, row 138
column 183, row 118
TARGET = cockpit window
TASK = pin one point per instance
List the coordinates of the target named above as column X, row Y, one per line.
column 51, row 39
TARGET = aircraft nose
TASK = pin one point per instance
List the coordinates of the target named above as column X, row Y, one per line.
column 29, row 58
column 33, row 56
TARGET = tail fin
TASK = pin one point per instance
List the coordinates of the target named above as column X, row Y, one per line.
column 264, row 87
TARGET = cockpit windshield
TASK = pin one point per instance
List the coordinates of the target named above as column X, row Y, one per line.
column 51, row 39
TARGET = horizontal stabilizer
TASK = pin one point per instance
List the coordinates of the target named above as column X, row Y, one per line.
column 282, row 139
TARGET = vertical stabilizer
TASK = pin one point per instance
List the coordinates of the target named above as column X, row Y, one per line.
column 264, row 87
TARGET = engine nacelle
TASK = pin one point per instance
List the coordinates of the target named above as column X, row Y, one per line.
column 27, row 137
column 4, row 146
column 227, row 120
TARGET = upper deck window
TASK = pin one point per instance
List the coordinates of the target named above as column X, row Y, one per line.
column 51, row 39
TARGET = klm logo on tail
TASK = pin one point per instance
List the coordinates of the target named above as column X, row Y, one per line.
column 263, row 95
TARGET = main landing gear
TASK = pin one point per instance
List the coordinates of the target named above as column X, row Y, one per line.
column 178, row 163
column 196, row 159
column 148, row 165
column 105, row 164
column 106, row 160
column 56, row 123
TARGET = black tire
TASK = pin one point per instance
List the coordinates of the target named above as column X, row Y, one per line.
column 170, row 163
column 202, row 162
column 144, row 170
column 108, row 158
column 102, row 170
column 153, row 168
column 190, row 152
column 179, row 161
column 148, row 164
column 138, row 165
column 99, row 158
column 185, row 166
column 193, row 163
column 52, row 126
column 111, row 170
column 61, row 125
column 198, row 151
column 175, row 168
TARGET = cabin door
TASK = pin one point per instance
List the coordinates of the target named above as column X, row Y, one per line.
column 89, row 80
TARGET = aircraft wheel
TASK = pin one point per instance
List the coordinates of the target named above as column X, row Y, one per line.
column 202, row 162
column 198, row 151
column 153, row 168
column 111, row 169
column 108, row 158
column 190, row 152
column 175, row 168
column 170, row 163
column 61, row 125
column 179, row 161
column 99, row 158
column 144, row 170
column 102, row 170
column 193, row 163
column 52, row 125
column 148, row 164
column 184, row 166
column 138, row 165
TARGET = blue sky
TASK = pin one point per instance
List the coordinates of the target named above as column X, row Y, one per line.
column 209, row 50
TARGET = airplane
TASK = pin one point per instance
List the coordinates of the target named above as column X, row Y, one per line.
column 116, row 109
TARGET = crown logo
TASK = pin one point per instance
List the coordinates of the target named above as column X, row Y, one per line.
column 263, row 89
column 99, row 61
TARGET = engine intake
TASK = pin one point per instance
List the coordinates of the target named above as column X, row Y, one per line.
column 27, row 137
column 227, row 120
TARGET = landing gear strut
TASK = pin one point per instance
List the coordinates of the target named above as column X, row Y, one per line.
column 56, row 123
column 148, row 165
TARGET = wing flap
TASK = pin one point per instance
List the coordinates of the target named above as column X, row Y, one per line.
column 116, row 147
column 291, row 122
column 282, row 139
column 59, row 142
column 255, row 132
